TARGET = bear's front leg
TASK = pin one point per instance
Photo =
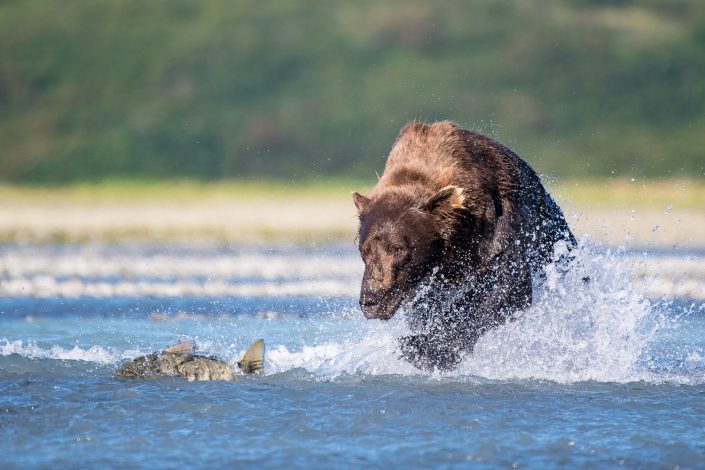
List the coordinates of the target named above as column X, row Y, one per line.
column 434, row 351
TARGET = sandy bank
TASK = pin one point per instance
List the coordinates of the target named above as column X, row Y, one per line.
column 322, row 215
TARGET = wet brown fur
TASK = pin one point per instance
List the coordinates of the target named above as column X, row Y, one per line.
column 460, row 204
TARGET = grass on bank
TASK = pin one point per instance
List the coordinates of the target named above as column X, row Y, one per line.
column 631, row 193
column 664, row 212
column 591, row 193
column 116, row 190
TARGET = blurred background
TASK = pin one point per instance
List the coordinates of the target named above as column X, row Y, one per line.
column 178, row 170
column 230, row 100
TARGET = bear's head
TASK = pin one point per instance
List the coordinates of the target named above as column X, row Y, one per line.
column 402, row 237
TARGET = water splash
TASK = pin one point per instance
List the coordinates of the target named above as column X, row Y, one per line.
column 575, row 330
column 375, row 354
column 605, row 330
column 96, row 354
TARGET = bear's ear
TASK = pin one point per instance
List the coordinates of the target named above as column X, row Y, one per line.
column 450, row 197
column 362, row 203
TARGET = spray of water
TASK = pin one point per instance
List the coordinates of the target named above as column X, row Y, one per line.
column 575, row 330
column 32, row 350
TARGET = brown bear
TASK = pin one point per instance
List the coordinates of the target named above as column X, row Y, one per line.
column 455, row 230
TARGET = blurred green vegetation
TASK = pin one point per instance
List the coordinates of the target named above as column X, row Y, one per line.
column 182, row 190
column 583, row 193
column 95, row 89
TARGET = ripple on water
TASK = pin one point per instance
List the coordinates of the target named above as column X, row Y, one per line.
column 593, row 374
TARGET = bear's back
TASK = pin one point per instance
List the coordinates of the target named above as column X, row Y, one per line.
column 428, row 157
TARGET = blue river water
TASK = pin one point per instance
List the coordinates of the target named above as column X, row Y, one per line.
column 605, row 374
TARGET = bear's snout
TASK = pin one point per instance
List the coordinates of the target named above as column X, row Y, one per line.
column 379, row 305
column 369, row 304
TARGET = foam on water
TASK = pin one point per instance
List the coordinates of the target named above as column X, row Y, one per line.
column 600, row 330
column 546, row 387
column 48, row 286
column 576, row 330
column 97, row 354
column 375, row 354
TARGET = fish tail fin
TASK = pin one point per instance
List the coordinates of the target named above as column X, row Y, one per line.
column 184, row 347
column 253, row 359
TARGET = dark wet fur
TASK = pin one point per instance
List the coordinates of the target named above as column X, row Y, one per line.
column 464, row 219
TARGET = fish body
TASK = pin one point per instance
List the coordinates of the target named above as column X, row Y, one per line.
column 179, row 360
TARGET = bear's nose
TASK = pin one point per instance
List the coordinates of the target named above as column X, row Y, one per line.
column 369, row 304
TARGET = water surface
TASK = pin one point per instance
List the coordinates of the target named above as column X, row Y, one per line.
column 606, row 373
